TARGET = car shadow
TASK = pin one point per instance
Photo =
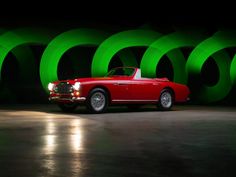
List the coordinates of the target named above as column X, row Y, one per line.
column 51, row 108
column 114, row 109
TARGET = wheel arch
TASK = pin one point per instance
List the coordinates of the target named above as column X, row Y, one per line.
column 104, row 88
column 171, row 90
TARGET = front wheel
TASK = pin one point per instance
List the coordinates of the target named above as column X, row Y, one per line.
column 97, row 101
column 166, row 100
column 67, row 107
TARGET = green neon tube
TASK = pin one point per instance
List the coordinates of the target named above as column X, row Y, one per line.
column 117, row 42
column 166, row 45
column 213, row 47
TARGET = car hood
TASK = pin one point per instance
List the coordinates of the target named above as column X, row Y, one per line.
column 101, row 79
column 104, row 79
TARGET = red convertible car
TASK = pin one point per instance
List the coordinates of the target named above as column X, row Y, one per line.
column 122, row 85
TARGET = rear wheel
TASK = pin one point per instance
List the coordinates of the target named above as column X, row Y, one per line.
column 97, row 101
column 166, row 100
column 67, row 107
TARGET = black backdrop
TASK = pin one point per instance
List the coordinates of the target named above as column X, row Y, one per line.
column 165, row 17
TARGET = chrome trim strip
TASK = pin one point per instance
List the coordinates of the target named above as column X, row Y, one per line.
column 136, row 100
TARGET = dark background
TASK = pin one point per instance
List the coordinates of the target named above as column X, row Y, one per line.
column 163, row 16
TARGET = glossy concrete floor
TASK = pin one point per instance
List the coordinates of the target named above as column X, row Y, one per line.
column 190, row 141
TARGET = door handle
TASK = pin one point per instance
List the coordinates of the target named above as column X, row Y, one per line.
column 120, row 83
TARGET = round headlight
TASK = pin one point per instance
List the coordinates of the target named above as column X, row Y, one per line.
column 77, row 86
column 50, row 86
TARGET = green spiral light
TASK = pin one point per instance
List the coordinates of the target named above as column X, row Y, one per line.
column 168, row 45
column 233, row 71
column 17, row 41
column 16, row 38
column 117, row 42
column 213, row 47
column 60, row 44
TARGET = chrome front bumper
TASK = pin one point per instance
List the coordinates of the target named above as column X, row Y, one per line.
column 71, row 99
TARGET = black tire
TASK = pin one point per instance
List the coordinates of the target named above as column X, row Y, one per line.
column 93, row 103
column 165, row 101
column 67, row 107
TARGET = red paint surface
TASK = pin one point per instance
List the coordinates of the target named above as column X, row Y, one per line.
column 128, row 89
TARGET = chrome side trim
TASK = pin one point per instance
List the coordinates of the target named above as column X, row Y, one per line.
column 136, row 100
column 121, row 83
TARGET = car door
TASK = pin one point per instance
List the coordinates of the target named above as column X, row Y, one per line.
column 120, row 90
column 144, row 89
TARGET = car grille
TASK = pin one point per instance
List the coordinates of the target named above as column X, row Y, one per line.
column 64, row 88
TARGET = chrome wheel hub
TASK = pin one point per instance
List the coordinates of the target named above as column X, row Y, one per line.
column 98, row 101
column 166, row 100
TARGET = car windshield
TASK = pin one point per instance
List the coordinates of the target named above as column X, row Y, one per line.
column 121, row 72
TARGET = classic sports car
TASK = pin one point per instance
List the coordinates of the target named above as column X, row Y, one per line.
column 122, row 85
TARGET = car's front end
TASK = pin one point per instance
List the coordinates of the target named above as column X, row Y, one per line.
column 65, row 92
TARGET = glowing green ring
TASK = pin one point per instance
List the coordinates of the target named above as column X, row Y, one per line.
column 166, row 45
column 12, row 39
column 233, row 71
column 117, row 42
column 59, row 45
column 201, row 53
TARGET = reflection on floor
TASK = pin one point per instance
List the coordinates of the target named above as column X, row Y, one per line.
column 188, row 141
